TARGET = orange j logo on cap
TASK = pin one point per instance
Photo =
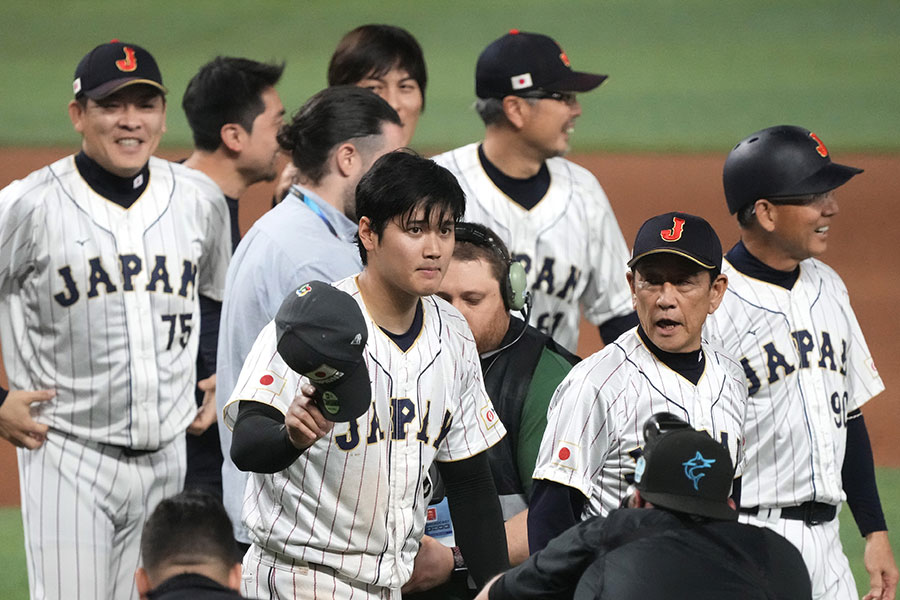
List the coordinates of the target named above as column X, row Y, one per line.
column 674, row 234
column 129, row 63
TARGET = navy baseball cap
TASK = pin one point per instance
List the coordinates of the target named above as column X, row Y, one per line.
column 688, row 471
column 321, row 334
column 520, row 62
column 679, row 233
column 109, row 67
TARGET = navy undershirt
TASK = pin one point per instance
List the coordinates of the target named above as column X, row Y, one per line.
column 121, row 190
column 751, row 266
column 405, row 340
column 524, row 192
column 689, row 365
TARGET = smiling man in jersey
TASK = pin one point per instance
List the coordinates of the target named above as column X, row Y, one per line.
column 103, row 256
column 552, row 214
column 339, row 509
column 593, row 436
column 788, row 317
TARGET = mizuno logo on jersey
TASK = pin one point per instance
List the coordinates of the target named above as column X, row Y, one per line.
column 781, row 362
column 129, row 275
column 566, row 455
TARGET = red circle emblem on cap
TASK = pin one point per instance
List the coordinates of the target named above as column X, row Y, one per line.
column 514, row 32
column 564, row 454
column 320, row 374
column 266, row 379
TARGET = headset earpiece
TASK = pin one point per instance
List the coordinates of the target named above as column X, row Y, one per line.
column 516, row 286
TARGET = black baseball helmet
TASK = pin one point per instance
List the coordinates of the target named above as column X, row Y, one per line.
column 779, row 162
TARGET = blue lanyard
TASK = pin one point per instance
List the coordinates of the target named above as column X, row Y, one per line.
column 315, row 208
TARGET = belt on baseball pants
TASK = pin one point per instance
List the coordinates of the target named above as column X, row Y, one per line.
column 810, row 512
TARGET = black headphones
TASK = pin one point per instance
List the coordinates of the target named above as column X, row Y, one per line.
column 513, row 285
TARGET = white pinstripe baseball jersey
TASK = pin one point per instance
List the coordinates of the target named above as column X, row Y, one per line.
column 570, row 243
column 100, row 302
column 595, row 422
column 354, row 501
column 807, row 365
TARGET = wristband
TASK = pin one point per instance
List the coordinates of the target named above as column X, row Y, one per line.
column 459, row 562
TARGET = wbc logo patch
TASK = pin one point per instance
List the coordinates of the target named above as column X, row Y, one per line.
column 303, row 290
column 489, row 416
column 565, row 455
column 674, row 234
column 520, row 82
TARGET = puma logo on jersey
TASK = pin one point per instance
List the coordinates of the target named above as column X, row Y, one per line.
column 777, row 365
column 130, row 266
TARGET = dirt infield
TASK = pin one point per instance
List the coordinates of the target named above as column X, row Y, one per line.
column 642, row 185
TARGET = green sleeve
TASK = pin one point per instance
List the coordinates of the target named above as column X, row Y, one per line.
column 551, row 370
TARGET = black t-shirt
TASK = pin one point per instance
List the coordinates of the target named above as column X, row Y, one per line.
column 652, row 554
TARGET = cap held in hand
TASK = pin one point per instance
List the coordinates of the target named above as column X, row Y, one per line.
column 321, row 334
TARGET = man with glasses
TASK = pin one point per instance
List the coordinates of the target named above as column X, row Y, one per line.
column 552, row 214
column 808, row 370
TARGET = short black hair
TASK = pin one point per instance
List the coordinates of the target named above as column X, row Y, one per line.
column 399, row 183
column 331, row 117
column 226, row 90
column 373, row 50
column 187, row 529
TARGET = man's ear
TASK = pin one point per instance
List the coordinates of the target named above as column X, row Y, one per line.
column 234, row 577
column 516, row 110
column 717, row 291
column 766, row 214
column 346, row 159
column 630, row 277
column 367, row 236
column 76, row 115
column 142, row 580
column 232, row 136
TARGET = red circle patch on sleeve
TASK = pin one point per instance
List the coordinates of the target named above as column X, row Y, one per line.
column 266, row 379
column 564, row 454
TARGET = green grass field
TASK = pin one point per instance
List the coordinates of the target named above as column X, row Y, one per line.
column 687, row 75
column 14, row 580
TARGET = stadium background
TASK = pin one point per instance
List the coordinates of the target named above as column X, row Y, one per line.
column 688, row 79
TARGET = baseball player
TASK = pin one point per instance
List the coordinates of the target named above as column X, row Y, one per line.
column 102, row 257
column 339, row 511
column 552, row 214
column 593, row 436
column 234, row 112
column 787, row 317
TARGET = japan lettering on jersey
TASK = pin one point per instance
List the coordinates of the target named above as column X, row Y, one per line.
column 569, row 243
column 595, row 422
column 100, row 302
column 354, row 501
column 806, row 367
